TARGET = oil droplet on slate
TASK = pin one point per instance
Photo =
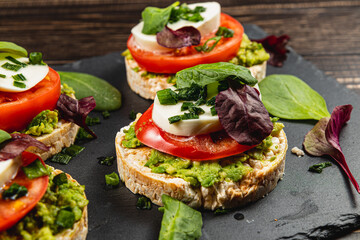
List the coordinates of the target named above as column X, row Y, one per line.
column 239, row 216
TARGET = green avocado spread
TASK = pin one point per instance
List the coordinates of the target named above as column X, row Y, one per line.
column 205, row 173
column 61, row 206
column 44, row 122
column 250, row 53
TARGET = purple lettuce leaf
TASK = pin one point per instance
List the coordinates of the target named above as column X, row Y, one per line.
column 243, row 115
column 183, row 37
column 323, row 139
column 276, row 47
column 76, row 111
column 17, row 144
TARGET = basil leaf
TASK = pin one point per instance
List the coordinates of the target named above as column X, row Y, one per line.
column 288, row 97
column 10, row 47
column 155, row 18
column 205, row 74
column 107, row 97
column 4, row 136
column 179, row 220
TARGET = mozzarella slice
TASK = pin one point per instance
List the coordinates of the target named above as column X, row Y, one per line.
column 190, row 127
column 8, row 170
column 205, row 124
column 210, row 24
column 33, row 74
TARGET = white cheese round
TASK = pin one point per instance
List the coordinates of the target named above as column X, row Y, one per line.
column 33, row 74
column 205, row 124
column 210, row 24
column 8, row 170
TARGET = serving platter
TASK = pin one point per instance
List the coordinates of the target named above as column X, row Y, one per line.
column 304, row 205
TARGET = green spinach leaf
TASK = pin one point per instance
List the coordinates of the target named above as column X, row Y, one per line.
column 4, row 136
column 205, row 74
column 155, row 18
column 107, row 97
column 288, row 97
column 10, row 47
column 179, row 221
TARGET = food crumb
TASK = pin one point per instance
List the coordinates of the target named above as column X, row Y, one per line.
column 275, row 219
column 297, row 151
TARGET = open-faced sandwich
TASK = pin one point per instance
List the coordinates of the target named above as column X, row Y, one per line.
column 33, row 101
column 171, row 39
column 37, row 201
column 209, row 142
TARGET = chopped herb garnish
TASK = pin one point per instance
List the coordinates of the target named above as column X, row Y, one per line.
column 19, row 84
column 13, row 60
column 220, row 211
column 143, row 203
column 35, row 169
column 225, row 32
column 105, row 114
column 167, row 97
column 11, row 67
column 211, row 101
column 60, row 179
column 61, row 158
column 213, row 111
column 206, row 47
column 132, row 115
column 174, row 119
column 67, row 154
column 186, row 105
column 19, row 77
column 192, row 93
column 112, row 180
column 14, row 192
column 2, row 76
column 200, row 101
column 190, row 115
column 107, row 161
column 90, row 121
column 196, row 110
column 73, row 150
column 185, row 13
column 35, row 58
column 83, row 135
column 65, row 218
column 319, row 167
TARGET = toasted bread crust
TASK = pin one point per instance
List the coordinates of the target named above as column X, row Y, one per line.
column 140, row 180
column 147, row 87
column 63, row 136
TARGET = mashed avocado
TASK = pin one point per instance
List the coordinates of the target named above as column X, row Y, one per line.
column 205, row 173
column 66, row 89
column 43, row 221
column 250, row 53
column 44, row 122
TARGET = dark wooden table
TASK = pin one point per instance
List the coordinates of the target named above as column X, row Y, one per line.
column 325, row 32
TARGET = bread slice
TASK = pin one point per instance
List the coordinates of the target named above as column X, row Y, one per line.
column 140, row 180
column 80, row 228
column 147, row 85
column 63, row 136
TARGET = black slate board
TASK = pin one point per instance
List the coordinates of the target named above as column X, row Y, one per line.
column 304, row 205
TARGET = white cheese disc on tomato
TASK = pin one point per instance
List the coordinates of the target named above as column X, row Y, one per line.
column 32, row 74
column 190, row 127
column 8, row 170
column 210, row 24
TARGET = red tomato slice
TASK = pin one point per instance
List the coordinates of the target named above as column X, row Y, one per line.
column 18, row 109
column 11, row 211
column 198, row 148
column 178, row 60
